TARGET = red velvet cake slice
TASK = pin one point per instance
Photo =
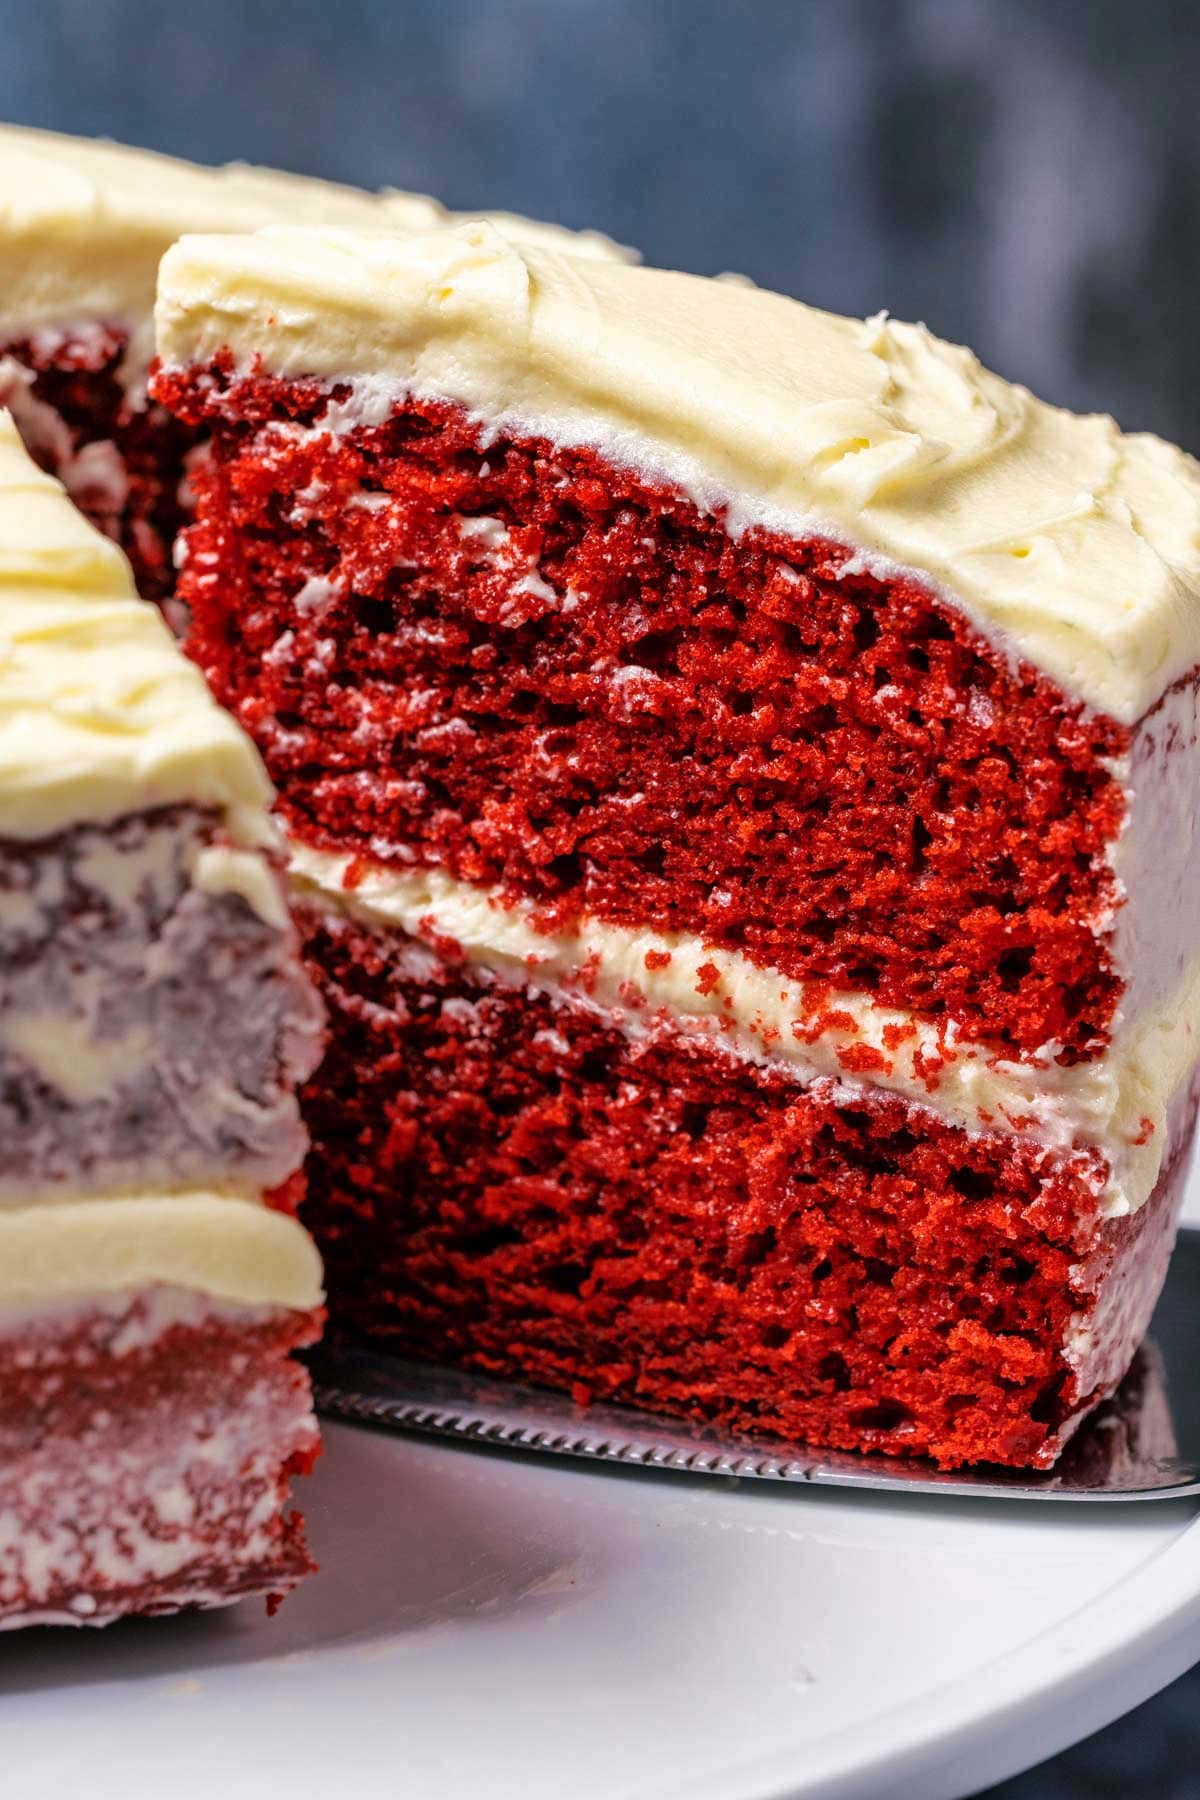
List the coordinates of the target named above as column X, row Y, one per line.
column 83, row 224
column 740, row 767
column 154, row 1024
column 151, row 1417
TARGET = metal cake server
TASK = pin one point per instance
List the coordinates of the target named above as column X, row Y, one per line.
column 1143, row 1444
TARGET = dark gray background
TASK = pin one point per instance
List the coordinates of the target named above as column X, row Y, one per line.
column 1022, row 175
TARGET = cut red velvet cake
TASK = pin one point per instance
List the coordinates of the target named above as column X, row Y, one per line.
column 740, row 767
column 155, row 1022
column 83, row 224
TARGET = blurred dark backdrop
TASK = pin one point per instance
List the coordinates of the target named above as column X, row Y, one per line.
column 1024, row 175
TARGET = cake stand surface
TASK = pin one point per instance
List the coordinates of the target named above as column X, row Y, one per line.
column 494, row 1625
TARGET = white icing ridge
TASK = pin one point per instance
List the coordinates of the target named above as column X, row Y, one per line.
column 229, row 1249
column 68, row 1056
column 1116, row 1104
column 218, row 869
column 1069, row 544
column 83, row 223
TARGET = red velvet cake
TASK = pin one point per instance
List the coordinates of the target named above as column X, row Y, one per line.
column 740, row 770
column 155, row 1022
column 83, row 224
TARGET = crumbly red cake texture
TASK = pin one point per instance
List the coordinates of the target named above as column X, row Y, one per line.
column 508, row 1181
column 142, row 1471
column 132, row 493
column 543, row 673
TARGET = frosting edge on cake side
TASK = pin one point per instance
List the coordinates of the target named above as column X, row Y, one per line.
column 231, row 1249
column 1117, row 1104
column 85, row 221
column 1067, row 543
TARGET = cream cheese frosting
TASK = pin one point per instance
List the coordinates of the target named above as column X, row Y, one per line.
column 412, row 214
column 232, row 1250
column 100, row 714
column 1072, row 545
column 640, row 978
column 83, row 222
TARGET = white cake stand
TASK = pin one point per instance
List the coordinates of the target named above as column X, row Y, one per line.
column 488, row 1627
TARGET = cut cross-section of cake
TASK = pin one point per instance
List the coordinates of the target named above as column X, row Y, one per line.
column 83, row 224
column 151, row 1416
column 155, row 1021
column 741, row 772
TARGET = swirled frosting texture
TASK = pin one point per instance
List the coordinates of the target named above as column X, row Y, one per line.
column 100, row 714
column 1118, row 1104
column 84, row 222
column 1071, row 544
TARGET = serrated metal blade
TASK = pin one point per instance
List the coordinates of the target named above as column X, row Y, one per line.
column 1144, row 1444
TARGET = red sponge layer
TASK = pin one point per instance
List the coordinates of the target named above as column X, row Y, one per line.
column 539, row 671
column 123, row 463
column 147, row 1469
column 510, row 1182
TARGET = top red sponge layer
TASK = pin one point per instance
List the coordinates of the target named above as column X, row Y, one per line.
column 537, row 670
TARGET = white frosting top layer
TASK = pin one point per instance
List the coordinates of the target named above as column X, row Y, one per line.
column 411, row 215
column 100, row 714
column 84, row 222
column 233, row 1250
column 1071, row 544
column 1116, row 1105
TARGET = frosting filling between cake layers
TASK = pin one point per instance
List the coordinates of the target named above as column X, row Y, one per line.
column 1068, row 543
column 230, row 1250
column 1116, row 1104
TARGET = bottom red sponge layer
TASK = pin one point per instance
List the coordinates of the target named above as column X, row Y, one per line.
column 147, row 1445
column 507, row 1180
